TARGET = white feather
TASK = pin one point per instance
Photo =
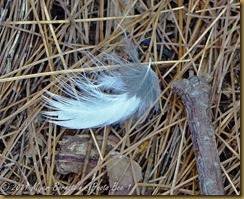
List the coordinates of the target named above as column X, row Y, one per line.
column 132, row 87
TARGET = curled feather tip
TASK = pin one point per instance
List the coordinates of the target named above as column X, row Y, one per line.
column 133, row 89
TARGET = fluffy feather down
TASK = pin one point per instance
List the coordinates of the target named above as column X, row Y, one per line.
column 132, row 87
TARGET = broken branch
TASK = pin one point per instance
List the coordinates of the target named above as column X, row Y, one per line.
column 194, row 93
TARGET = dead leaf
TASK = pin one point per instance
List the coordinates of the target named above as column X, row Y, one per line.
column 120, row 173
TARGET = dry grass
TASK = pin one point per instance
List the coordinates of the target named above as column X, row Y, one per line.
column 41, row 39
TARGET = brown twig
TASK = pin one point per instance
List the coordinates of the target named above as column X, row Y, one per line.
column 194, row 93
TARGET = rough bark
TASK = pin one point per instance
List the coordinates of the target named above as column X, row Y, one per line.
column 194, row 93
column 78, row 153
